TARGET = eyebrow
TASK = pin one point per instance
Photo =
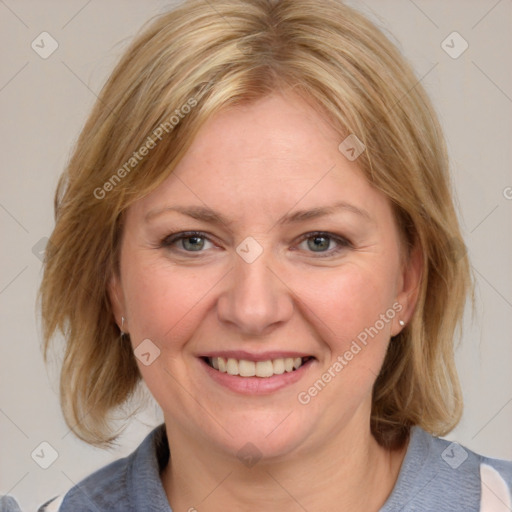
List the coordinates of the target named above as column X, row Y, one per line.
column 206, row 214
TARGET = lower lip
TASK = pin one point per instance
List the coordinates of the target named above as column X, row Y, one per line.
column 256, row 385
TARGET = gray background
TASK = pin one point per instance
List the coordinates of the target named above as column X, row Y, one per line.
column 44, row 103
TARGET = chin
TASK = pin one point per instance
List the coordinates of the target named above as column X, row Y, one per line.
column 263, row 436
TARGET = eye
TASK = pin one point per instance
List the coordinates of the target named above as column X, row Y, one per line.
column 191, row 241
column 195, row 241
column 319, row 242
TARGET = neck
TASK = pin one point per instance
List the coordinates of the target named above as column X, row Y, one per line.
column 350, row 472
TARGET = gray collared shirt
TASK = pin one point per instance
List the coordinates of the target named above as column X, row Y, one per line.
column 436, row 476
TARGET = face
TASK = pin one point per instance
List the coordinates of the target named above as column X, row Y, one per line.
column 260, row 283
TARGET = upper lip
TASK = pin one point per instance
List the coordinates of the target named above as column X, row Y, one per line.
column 248, row 356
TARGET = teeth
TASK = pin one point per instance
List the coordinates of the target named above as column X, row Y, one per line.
column 278, row 365
column 246, row 368
column 263, row 368
column 232, row 367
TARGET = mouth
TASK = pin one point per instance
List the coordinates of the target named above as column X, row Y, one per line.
column 262, row 369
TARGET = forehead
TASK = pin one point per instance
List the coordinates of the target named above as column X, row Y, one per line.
column 263, row 158
column 278, row 135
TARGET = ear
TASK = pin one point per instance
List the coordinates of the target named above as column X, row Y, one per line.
column 115, row 295
column 409, row 287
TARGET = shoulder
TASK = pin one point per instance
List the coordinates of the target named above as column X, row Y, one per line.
column 496, row 479
column 121, row 484
column 438, row 474
column 104, row 489
column 460, row 462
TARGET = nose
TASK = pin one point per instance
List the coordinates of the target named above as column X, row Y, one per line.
column 256, row 300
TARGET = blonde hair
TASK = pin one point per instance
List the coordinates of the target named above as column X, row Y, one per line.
column 209, row 59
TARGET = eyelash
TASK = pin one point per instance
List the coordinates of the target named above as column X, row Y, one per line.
column 342, row 242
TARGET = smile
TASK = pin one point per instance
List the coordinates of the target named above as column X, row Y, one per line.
column 263, row 369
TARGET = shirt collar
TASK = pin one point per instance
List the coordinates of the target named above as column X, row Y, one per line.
column 144, row 484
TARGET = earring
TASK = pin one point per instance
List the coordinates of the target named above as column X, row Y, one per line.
column 401, row 322
column 122, row 327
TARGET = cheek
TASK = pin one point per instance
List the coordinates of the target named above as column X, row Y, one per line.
column 352, row 311
column 348, row 303
column 164, row 300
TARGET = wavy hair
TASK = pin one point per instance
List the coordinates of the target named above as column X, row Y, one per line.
column 209, row 58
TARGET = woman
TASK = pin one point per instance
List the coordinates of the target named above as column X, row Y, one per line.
column 257, row 223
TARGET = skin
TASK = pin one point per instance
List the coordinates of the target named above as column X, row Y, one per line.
column 254, row 164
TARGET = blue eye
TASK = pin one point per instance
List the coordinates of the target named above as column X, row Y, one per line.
column 320, row 241
column 317, row 242
column 192, row 241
